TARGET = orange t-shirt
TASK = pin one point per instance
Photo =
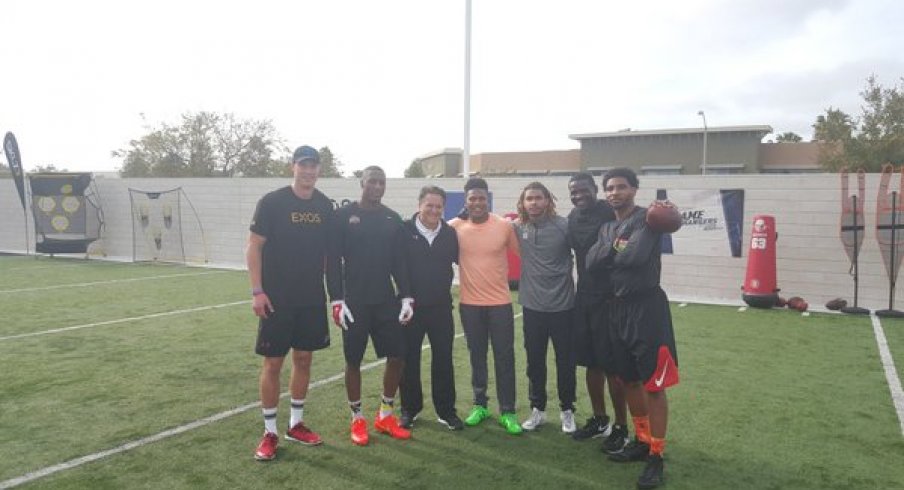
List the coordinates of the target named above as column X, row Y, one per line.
column 482, row 260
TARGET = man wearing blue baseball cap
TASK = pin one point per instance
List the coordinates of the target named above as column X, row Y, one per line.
column 286, row 253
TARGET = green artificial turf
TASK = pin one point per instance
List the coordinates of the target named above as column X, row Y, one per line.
column 768, row 399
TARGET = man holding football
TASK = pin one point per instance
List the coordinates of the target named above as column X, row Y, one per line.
column 640, row 333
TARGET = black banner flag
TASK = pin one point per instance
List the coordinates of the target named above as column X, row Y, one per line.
column 11, row 148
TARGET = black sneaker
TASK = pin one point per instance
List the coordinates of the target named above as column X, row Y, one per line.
column 633, row 451
column 652, row 475
column 451, row 421
column 406, row 420
column 618, row 438
column 596, row 426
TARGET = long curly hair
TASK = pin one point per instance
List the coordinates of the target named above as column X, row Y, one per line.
column 536, row 186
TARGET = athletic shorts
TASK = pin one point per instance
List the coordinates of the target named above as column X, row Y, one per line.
column 302, row 328
column 642, row 340
column 381, row 324
column 590, row 333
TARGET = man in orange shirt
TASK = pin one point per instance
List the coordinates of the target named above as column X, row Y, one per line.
column 486, row 305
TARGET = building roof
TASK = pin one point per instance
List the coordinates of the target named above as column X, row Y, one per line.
column 765, row 129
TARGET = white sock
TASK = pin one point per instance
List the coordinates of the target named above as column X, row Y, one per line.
column 269, row 420
column 356, row 409
column 296, row 413
column 386, row 406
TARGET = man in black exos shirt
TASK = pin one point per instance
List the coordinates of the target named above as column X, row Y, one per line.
column 286, row 256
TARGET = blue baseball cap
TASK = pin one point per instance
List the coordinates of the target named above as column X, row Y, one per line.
column 304, row 154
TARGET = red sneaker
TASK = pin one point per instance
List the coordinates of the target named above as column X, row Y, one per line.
column 266, row 450
column 390, row 425
column 359, row 431
column 301, row 433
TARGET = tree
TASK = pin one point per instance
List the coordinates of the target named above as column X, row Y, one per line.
column 414, row 170
column 329, row 164
column 875, row 139
column 50, row 168
column 206, row 144
column 358, row 173
column 788, row 137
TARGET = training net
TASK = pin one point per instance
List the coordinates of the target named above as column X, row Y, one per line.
column 67, row 212
column 166, row 228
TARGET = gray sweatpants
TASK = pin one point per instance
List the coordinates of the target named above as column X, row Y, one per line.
column 483, row 324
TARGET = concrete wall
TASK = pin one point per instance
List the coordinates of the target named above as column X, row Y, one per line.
column 811, row 261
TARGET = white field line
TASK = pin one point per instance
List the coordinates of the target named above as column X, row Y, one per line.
column 891, row 374
column 123, row 320
column 39, row 267
column 73, row 463
column 111, row 281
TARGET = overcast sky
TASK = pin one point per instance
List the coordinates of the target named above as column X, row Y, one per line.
column 381, row 82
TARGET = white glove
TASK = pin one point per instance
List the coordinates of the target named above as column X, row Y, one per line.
column 407, row 310
column 342, row 314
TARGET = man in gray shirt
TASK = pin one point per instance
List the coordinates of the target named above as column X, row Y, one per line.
column 546, row 294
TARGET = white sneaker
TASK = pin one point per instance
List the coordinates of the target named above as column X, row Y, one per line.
column 536, row 419
column 568, row 425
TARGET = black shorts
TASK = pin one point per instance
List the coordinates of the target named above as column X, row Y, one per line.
column 643, row 342
column 302, row 328
column 590, row 331
column 380, row 323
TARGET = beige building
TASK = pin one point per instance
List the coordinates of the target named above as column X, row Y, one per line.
column 729, row 150
column 527, row 163
column 789, row 158
column 442, row 163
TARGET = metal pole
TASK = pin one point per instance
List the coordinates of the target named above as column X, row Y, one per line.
column 705, row 131
column 466, row 153
column 856, row 254
column 894, row 233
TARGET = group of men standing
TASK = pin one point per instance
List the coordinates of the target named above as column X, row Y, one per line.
column 389, row 280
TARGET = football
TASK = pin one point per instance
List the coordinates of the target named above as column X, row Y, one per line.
column 836, row 304
column 663, row 217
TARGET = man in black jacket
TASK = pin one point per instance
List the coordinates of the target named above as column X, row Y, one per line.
column 430, row 247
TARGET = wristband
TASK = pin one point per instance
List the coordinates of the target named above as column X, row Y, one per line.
column 257, row 291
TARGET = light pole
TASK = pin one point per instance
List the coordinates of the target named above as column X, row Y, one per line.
column 466, row 151
column 705, row 131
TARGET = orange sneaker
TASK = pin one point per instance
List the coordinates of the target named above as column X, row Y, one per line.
column 390, row 425
column 266, row 450
column 359, row 431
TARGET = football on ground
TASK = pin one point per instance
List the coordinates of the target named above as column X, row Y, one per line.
column 663, row 217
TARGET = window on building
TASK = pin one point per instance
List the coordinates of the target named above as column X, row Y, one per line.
column 725, row 168
column 662, row 169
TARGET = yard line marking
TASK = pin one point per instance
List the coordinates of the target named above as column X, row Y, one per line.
column 891, row 374
column 111, row 281
column 87, row 263
column 124, row 320
column 39, row 267
column 73, row 463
